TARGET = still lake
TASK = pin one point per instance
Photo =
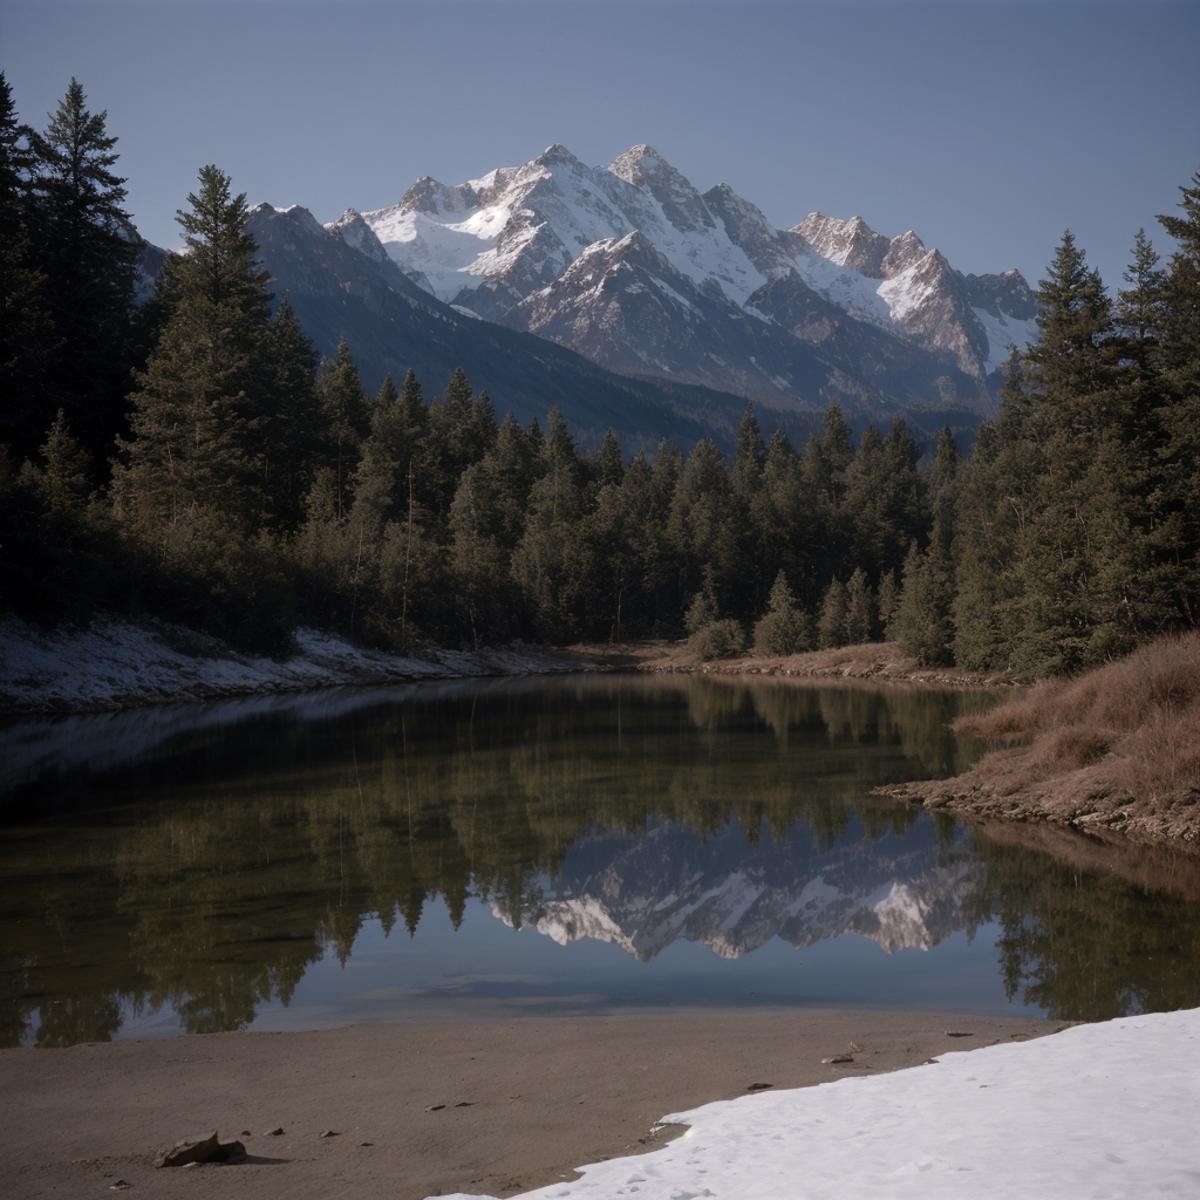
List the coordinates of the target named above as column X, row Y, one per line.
column 541, row 846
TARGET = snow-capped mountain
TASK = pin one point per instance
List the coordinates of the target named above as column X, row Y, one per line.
column 632, row 266
column 343, row 284
column 644, row 893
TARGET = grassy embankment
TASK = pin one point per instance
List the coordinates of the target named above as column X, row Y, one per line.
column 1114, row 749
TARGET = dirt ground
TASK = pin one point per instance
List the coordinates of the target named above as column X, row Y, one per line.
column 420, row 1109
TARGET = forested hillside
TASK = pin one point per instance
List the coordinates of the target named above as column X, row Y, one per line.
column 192, row 459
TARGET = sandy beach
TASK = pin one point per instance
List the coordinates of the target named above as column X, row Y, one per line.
column 524, row 1101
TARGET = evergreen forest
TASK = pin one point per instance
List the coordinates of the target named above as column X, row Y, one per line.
column 174, row 448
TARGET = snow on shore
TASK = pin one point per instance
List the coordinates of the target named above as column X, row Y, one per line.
column 120, row 664
column 1105, row 1111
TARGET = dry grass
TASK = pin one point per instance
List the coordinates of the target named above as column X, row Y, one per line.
column 1116, row 748
column 1139, row 716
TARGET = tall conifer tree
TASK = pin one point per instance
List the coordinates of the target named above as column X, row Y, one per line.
column 26, row 338
column 204, row 401
column 87, row 249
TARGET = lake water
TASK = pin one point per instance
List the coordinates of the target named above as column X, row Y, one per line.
column 542, row 846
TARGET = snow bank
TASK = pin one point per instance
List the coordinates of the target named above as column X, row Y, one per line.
column 1098, row 1111
column 119, row 664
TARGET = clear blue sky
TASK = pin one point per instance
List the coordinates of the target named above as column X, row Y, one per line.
column 986, row 126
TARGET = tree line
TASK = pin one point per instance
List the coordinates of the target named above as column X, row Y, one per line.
column 191, row 457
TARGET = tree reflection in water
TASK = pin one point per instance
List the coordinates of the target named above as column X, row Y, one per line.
column 200, row 860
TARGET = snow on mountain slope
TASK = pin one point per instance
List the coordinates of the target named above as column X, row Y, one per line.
column 1002, row 333
column 342, row 284
column 509, row 246
column 525, row 225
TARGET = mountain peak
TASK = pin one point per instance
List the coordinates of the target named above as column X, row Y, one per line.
column 643, row 167
column 296, row 214
column 557, row 155
column 902, row 252
column 429, row 195
column 851, row 243
column 638, row 163
column 354, row 231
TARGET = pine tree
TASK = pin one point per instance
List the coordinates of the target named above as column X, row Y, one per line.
column 837, row 448
column 923, row 621
column 860, row 614
column 296, row 439
column 711, row 635
column 797, row 536
column 26, row 338
column 320, row 551
column 750, row 454
column 611, row 558
column 203, row 402
column 87, row 249
column 560, row 452
column 999, row 495
column 1130, row 592
column 61, row 476
column 785, row 628
column 609, row 466
column 479, row 559
column 514, row 466
column 911, row 622
column 703, row 528
column 867, row 519
column 758, row 551
column 462, row 428
column 1071, row 368
column 705, row 607
column 1177, row 540
column 381, row 477
column 831, row 623
column 546, row 563
column 908, row 502
column 885, row 607
column 347, row 417
column 646, row 495
column 943, row 470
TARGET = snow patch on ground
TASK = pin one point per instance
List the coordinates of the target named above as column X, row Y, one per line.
column 1102, row 1112
column 120, row 664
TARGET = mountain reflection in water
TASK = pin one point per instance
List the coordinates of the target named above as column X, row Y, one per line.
column 540, row 845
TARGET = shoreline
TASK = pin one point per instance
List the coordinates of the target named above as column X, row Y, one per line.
column 526, row 1101
column 1108, row 818
column 116, row 665
column 871, row 663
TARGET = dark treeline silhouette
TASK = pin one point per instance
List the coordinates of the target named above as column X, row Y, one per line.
column 190, row 458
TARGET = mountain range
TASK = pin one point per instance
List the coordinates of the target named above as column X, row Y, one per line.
column 631, row 299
